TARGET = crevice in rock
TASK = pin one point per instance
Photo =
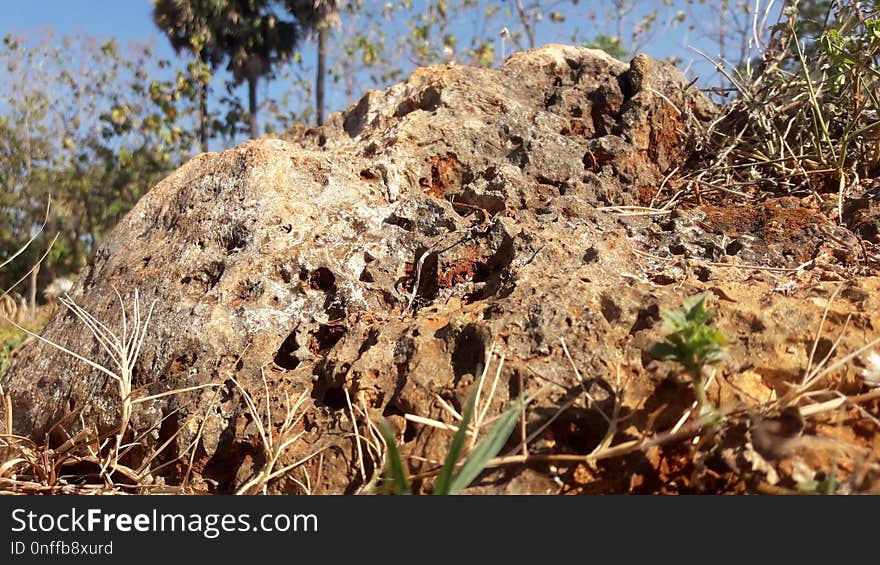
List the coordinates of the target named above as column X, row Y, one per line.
column 286, row 357
column 325, row 338
column 494, row 274
column 169, row 429
column 428, row 100
column 332, row 397
column 235, row 237
column 229, row 457
column 335, row 308
column 409, row 432
column 469, row 352
column 206, row 277
column 646, row 318
column 322, row 279
column 423, row 270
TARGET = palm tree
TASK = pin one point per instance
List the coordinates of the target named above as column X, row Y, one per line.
column 319, row 16
column 246, row 32
column 255, row 40
column 191, row 25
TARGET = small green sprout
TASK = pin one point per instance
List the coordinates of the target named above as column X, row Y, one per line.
column 827, row 485
column 692, row 342
column 450, row 481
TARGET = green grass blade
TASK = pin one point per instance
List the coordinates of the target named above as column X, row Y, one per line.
column 488, row 447
column 444, row 480
column 398, row 480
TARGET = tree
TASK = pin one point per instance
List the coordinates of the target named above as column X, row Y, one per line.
column 317, row 16
column 192, row 25
column 255, row 40
column 84, row 125
column 246, row 33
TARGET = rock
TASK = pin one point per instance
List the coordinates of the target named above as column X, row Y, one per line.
column 382, row 261
column 862, row 211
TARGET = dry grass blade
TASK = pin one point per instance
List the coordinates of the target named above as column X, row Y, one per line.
column 357, row 436
column 122, row 349
column 274, row 444
column 28, row 243
column 481, row 414
column 430, row 422
column 583, row 383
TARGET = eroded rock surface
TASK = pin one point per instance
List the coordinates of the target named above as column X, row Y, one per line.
column 376, row 260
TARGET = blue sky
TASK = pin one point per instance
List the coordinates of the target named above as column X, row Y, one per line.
column 122, row 19
column 118, row 18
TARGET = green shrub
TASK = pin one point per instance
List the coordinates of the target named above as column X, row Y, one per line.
column 10, row 338
column 691, row 342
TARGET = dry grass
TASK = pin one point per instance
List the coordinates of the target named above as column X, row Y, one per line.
column 276, row 443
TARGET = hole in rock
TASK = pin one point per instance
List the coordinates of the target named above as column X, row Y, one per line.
column 369, row 175
column 610, row 310
column 734, row 247
column 331, row 397
column 823, row 347
column 646, row 318
column 590, row 255
column 325, row 337
column 403, row 223
column 286, row 357
column 235, row 237
column 579, row 431
column 469, row 354
column 409, row 433
column 322, row 279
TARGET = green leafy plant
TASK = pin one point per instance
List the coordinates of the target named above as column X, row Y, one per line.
column 9, row 339
column 453, row 478
column 826, row 485
column 692, row 342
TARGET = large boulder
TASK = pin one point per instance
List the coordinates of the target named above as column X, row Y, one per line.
column 381, row 261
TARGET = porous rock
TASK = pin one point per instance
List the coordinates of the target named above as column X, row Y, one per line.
column 381, row 261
